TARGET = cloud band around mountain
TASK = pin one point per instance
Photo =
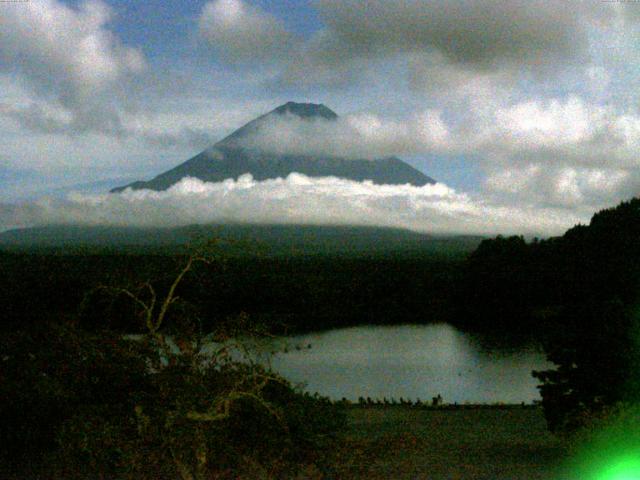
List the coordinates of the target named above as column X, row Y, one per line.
column 297, row 199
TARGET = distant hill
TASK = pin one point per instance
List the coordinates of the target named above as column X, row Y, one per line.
column 276, row 239
column 230, row 159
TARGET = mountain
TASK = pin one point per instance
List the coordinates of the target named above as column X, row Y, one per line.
column 230, row 159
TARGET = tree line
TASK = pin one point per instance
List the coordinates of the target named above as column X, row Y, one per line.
column 579, row 295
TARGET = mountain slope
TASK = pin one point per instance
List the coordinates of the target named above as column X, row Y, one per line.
column 230, row 159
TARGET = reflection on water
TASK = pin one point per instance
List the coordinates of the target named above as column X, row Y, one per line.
column 412, row 361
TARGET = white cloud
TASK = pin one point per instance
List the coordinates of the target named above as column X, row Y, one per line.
column 532, row 125
column 299, row 200
column 599, row 80
column 561, row 152
column 351, row 136
column 563, row 186
column 570, row 132
column 76, row 69
column 241, row 32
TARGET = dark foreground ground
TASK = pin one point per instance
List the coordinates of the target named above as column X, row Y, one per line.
column 481, row 443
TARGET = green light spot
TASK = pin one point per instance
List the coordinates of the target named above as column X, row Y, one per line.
column 625, row 469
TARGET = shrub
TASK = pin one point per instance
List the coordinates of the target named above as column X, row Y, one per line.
column 52, row 372
column 95, row 405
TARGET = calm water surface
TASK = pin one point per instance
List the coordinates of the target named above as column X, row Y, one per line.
column 410, row 362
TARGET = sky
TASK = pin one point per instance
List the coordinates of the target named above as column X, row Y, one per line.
column 526, row 112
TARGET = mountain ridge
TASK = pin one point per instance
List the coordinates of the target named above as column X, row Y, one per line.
column 283, row 239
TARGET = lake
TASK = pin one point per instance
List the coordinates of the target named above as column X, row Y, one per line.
column 410, row 361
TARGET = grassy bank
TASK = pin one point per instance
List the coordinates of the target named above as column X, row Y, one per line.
column 471, row 443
